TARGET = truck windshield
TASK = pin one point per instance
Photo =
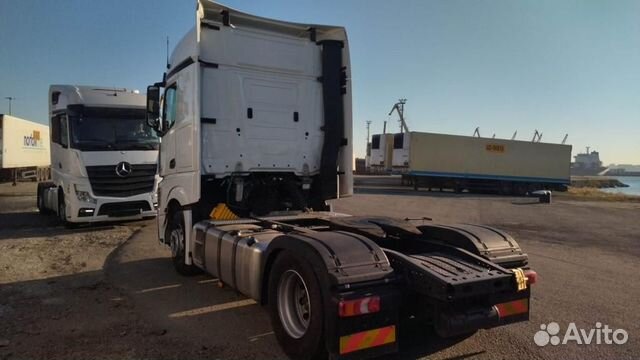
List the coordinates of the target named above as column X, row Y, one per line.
column 104, row 129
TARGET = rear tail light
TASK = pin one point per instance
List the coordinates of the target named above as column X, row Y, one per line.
column 515, row 307
column 367, row 305
column 532, row 276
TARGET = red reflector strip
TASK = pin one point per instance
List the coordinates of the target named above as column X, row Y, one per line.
column 367, row 339
column 368, row 305
column 513, row 308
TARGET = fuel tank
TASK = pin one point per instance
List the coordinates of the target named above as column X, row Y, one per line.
column 233, row 253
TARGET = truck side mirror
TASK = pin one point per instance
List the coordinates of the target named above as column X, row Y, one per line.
column 153, row 107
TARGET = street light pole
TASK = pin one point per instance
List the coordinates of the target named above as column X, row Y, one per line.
column 10, row 98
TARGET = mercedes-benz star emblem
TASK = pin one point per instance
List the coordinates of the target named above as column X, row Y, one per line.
column 123, row 169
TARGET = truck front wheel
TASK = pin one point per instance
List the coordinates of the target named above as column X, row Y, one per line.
column 176, row 235
column 295, row 308
column 42, row 188
column 62, row 212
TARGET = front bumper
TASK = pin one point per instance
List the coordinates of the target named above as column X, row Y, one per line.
column 112, row 209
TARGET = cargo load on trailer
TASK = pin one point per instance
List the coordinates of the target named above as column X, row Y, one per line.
column 265, row 107
column 475, row 163
column 24, row 149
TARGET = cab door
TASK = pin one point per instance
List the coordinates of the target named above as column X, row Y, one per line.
column 180, row 117
column 168, row 152
column 59, row 148
column 179, row 145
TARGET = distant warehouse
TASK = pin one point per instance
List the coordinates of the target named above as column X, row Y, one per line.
column 472, row 163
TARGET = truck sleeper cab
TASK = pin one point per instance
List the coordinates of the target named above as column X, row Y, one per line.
column 103, row 156
column 256, row 136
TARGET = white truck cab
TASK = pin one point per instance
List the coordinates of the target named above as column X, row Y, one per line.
column 243, row 121
column 103, row 156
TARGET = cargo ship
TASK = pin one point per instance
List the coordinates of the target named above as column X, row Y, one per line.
column 587, row 163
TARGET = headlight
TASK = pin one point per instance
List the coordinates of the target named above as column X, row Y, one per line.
column 84, row 196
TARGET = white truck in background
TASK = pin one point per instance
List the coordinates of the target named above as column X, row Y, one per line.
column 24, row 149
column 256, row 137
column 103, row 156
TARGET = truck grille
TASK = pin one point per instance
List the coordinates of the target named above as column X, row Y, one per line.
column 127, row 208
column 105, row 182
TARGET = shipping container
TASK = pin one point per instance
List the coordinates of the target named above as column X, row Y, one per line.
column 381, row 152
column 25, row 148
column 474, row 163
column 401, row 144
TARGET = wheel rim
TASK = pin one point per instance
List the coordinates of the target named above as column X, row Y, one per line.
column 294, row 305
column 176, row 239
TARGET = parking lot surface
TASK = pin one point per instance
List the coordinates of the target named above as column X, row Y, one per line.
column 109, row 291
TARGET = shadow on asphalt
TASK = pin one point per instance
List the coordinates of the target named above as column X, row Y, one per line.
column 25, row 219
column 154, row 281
column 74, row 316
column 33, row 224
column 160, row 292
column 530, row 202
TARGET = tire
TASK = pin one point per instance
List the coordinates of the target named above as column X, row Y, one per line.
column 175, row 234
column 296, row 309
column 457, row 187
column 62, row 212
column 42, row 187
column 40, row 200
column 506, row 188
column 62, row 209
column 520, row 189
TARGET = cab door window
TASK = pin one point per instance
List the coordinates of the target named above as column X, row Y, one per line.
column 64, row 131
column 59, row 130
column 170, row 107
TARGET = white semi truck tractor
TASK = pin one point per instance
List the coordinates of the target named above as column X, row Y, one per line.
column 256, row 136
column 103, row 156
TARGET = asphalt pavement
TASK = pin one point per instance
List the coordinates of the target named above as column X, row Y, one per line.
column 135, row 306
column 586, row 255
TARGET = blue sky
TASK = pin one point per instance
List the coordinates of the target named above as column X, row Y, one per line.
column 503, row 65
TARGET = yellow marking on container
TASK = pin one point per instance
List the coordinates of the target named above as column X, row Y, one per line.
column 498, row 148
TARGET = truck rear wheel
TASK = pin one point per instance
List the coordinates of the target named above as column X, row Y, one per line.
column 295, row 308
column 176, row 235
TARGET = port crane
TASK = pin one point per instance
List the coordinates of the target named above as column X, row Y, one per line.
column 399, row 108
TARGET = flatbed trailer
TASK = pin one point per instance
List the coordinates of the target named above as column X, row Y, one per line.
column 265, row 107
column 475, row 164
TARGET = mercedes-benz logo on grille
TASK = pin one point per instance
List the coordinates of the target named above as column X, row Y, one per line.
column 123, row 169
